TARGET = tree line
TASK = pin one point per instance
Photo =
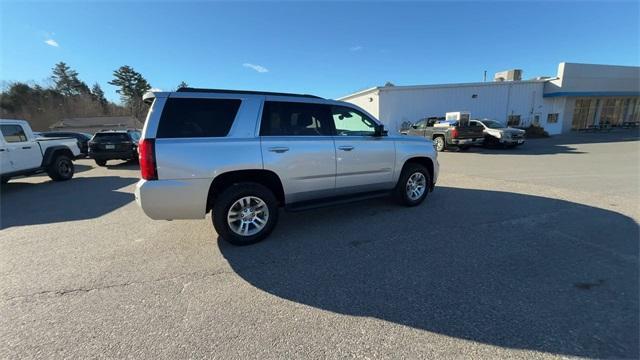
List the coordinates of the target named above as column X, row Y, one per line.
column 67, row 96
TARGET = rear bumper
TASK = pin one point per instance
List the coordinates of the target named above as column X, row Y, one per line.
column 473, row 141
column 173, row 199
column 109, row 155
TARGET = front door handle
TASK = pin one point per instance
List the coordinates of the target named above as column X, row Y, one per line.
column 26, row 147
column 1, row 149
column 345, row 147
column 279, row 149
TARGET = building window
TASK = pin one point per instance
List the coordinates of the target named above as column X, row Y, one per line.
column 552, row 118
column 514, row 120
column 612, row 112
column 584, row 113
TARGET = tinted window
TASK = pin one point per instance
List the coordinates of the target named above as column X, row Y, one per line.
column 110, row 137
column 351, row 122
column 13, row 133
column 291, row 118
column 183, row 118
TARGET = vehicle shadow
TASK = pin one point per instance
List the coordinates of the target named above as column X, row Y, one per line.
column 123, row 165
column 562, row 144
column 505, row 269
column 49, row 202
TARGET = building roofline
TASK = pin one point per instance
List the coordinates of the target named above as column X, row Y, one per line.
column 435, row 86
column 361, row 92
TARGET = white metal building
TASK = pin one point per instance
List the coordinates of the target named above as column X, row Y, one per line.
column 580, row 96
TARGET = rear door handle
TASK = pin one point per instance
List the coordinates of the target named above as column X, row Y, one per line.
column 26, row 147
column 279, row 149
column 345, row 147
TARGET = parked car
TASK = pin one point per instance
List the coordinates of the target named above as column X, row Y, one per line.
column 82, row 138
column 446, row 134
column 496, row 133
column 114, row 145
column 245, row 154
column 22, row 154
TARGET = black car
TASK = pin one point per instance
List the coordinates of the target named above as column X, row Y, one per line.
column 114, row 145
column 83, row 138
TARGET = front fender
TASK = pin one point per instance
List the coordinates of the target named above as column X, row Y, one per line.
column 410, row 149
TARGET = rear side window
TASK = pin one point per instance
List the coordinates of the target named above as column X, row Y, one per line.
column 183, row 118
column 295, row 119
column 13, row 133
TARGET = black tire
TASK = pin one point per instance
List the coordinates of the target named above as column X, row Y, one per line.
column 61, row 168
column 401, row 187
column 101, row 162
column 439, row 143
column 234, row 193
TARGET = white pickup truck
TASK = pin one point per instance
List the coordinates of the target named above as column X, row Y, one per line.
column 21, row 154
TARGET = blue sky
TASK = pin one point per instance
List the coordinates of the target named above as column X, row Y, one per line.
column 324, row 48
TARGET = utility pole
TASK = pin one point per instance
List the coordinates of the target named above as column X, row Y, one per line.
column 484, row 78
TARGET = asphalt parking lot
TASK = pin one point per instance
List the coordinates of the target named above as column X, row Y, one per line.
column 522, row 253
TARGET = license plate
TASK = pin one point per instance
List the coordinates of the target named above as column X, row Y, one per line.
column 109, row 147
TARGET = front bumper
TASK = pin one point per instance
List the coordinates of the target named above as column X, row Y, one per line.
column 511, row 141
column 173, row 199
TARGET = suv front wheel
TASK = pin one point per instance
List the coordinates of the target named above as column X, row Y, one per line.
column 413, row 185
column 245, row 213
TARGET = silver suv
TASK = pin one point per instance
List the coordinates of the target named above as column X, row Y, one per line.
column 244, row 154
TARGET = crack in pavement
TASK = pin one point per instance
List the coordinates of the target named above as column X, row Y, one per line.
column 63, row 292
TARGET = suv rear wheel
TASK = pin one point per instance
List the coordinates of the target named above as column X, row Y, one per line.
column 413, row 185
column 61, row 168
column 245, row 213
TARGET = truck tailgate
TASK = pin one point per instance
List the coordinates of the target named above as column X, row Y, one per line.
column 470, row 132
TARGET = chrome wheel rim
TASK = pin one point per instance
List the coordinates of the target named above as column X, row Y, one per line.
column 416, row 185
column 248, row 216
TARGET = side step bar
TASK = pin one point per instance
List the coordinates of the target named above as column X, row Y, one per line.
column 338, row 200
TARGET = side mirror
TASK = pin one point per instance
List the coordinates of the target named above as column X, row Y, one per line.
column 380, row 131
column 414, row 126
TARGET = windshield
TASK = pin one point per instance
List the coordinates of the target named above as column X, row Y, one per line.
column 492, row 124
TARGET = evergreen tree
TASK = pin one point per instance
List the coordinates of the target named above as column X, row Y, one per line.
column 66, row 81
column 132, row 85
column 182, row 85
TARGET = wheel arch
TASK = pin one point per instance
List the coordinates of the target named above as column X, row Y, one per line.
column 264, row 177
column 51, row 152
column 424, row 161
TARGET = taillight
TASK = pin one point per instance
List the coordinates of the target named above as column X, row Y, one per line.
column 147, row 157
column 454, row 133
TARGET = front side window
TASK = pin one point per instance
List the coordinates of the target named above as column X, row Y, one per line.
column 281, row 118
column 350, row 122
column 422, row 124
column 13, row 133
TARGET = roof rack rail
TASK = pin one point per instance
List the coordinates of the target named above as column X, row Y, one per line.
column 249, row 92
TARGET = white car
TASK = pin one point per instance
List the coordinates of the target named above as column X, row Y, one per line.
column 23, row 154
column 496, row 133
